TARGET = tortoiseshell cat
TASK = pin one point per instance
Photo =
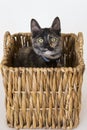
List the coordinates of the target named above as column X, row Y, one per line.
column 47, row 47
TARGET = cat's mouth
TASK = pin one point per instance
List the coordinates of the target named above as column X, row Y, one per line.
column 52, row 55
column 49, row 54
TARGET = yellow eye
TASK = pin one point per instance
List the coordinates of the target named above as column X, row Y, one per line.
column 40, row 40
column 53, row 39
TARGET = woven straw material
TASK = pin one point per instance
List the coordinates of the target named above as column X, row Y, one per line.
column 41, row 97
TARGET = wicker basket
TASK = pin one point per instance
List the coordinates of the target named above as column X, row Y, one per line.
column 41, row 97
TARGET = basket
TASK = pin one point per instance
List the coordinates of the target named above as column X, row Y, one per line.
column 41, row 97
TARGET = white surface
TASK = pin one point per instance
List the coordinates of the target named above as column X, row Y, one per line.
column 15, row 16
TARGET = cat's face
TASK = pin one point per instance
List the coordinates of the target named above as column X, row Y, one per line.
column 47, row 41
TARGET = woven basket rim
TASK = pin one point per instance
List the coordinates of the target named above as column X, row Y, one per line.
column 62, row 69
column 80, row 65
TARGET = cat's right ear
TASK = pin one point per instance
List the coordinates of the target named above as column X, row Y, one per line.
column 35, row 27
column 56, row 25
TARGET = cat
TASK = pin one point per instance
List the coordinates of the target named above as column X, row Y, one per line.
column 46, row 50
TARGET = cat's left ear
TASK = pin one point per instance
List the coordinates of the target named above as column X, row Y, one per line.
column 56, row 25
column 35, row 27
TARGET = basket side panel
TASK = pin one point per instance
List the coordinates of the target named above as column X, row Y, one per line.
column 47, row 98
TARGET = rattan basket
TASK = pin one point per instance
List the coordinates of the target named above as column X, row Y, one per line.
column 41, row 97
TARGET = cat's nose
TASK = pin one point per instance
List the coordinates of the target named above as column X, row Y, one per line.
column 50, row 48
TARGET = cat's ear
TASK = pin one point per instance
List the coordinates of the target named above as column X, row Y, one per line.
column 56, row 25
column 35, row 27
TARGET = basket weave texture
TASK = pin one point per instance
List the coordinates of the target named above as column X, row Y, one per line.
column 41, row 97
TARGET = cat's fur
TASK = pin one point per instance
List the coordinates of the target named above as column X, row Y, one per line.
column 46, row 50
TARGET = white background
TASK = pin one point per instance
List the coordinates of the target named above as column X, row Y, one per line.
column 15, row 16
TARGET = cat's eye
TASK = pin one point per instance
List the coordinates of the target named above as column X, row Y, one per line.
column 40, row 40
column 53, row 39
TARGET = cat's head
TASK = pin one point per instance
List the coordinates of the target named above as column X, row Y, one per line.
column 47, row 41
